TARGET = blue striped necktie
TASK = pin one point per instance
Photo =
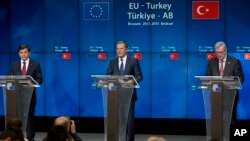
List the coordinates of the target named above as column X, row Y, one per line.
column 121, row 67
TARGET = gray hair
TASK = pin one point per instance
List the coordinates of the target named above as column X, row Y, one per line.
column 219, row 44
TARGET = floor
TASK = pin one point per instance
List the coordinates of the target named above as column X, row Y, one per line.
column 138, row 137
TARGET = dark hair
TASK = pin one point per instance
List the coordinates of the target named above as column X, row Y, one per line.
column 23, row 46
column 9, row 133
column 58, row 133
column 15, row 124
column 122, row 42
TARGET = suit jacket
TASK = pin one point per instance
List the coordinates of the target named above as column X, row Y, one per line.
column 34, row 70
column 232, row 68
column 132, row 67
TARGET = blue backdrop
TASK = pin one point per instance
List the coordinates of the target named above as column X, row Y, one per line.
column 154, row 28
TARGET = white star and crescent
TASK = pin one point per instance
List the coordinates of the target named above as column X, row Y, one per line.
column 199, row 10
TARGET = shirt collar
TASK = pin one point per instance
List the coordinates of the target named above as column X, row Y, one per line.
column 124, row 58
column 225, row 59
column 27, row 61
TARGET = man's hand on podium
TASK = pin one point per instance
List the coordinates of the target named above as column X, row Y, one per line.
column 30, row 83
column 130, row 82
column 101, row 84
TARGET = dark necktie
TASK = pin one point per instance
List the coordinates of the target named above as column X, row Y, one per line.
column 121, row 67
column 24, row 68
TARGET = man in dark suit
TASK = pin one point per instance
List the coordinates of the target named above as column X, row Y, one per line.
column 25, row 66
column 225, row 65
column 124, row 65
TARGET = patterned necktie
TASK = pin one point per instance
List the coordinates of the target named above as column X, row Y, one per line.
column 24, row 68
column 121, row 67
column 221, row 68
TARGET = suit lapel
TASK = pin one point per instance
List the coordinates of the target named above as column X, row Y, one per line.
column 127, row 64
column 117, row 71
column 19, row 68
column 227, row 65
column 29, row 67
column 217, row 67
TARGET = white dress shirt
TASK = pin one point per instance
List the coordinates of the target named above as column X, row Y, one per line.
column 224, row 62
column 124, row 61
column 27, row 64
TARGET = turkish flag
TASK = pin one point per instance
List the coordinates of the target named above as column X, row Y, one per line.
column 66, row 56
column 173, row 56
column 205, row 10
column 101, row 56
column 247, row 56
column 137, row 56
column 210, row 56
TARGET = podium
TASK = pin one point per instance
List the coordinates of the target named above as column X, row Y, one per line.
column 17, row 94
column 117, row 94
column 218, row 95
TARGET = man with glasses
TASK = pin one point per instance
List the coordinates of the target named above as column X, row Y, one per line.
column 225, row 65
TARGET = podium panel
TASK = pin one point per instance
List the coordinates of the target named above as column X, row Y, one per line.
column 17, row 94
column 218, row 95
column 17, row 102
column 117, row 95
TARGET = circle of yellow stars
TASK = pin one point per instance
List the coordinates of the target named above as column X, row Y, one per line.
column 96, row 11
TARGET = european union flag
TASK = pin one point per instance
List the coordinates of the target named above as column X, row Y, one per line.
column 96, row 10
